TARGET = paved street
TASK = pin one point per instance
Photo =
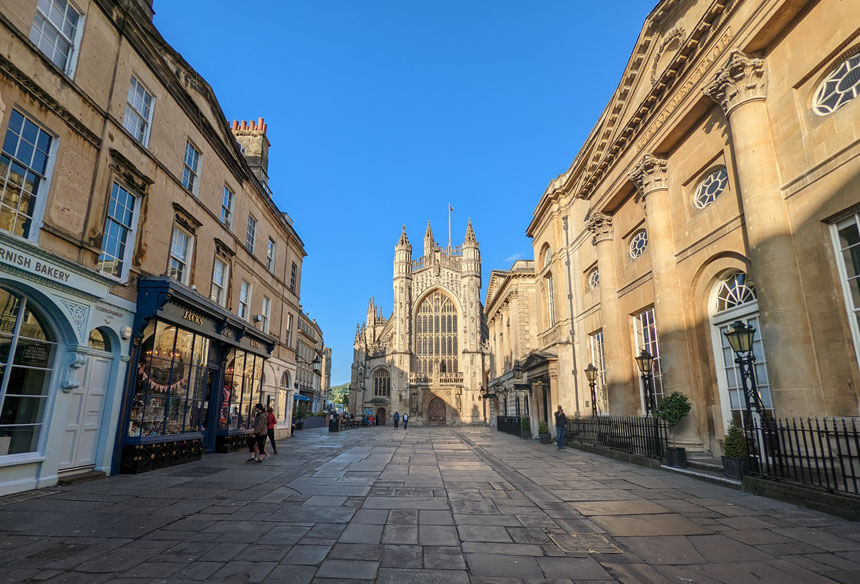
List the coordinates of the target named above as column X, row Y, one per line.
column 424, row 505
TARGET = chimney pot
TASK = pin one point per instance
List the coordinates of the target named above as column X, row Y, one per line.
column 235, row 124
column 244, row 125
column 260, row 122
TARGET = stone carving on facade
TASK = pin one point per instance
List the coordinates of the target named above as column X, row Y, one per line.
column 742, row 79
column 650, row 175
column 666, row 52
column 600, row 226
column 79, row 315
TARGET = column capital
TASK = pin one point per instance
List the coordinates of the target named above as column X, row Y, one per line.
column 741, row 80
column 600, row 225
column 650, row 175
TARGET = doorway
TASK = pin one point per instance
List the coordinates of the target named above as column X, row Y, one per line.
column 436, row 411
column 380, row 416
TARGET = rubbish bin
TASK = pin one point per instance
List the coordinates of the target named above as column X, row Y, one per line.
column 333, row 423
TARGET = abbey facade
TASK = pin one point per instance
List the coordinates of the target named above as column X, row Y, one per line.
column 427, row 358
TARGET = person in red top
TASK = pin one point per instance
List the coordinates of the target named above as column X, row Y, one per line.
column 271, row 421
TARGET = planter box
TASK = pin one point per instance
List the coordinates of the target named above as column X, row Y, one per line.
column 676, row 456
column 735, row 468
column 525, row 433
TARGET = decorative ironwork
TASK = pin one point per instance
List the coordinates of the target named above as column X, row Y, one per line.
column 508, row 424
column 631, row 434
column 150, row 456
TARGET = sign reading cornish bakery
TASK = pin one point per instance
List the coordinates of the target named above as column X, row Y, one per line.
column 36, row 265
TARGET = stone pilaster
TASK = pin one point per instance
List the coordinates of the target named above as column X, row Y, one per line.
column 616, row 343
column 741, row 90
column 651, row 178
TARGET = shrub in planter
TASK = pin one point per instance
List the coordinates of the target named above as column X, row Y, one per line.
column 674, row 408
column 543, row 433
column 735, row 453
column 525, row 428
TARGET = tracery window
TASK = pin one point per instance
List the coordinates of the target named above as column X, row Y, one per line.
column 734, row 290
column 593, row 279
column 838, row 88
column 436, row 335
column 711, row 187
column 638, row 243
column 381, row 383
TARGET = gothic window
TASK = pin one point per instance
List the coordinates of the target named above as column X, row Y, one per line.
column 838, row 88
column 638, row 243
column 711, row 187
column 436, row 335
column 381, row 383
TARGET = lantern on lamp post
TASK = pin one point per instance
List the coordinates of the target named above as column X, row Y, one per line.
column 591, row 376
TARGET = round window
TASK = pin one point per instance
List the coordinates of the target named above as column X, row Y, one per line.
column 638, row 243
column 711, row 187
column 593, row 279
column 838, row 88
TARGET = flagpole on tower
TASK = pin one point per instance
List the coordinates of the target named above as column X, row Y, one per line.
column 450, row 208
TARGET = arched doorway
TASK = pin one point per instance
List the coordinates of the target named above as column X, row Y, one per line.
column 734, row 298
column 380, row 416
column 436, row 411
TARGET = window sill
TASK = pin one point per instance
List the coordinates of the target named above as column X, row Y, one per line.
column 18, row 459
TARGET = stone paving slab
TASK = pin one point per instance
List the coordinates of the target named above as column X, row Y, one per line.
column 427, row 505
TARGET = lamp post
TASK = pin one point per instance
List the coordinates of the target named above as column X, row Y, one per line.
column 645, row 363
column 741, row 337
column 591, row 376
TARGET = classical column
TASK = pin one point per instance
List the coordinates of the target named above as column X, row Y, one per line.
column 616, row 341
column 651, row 179
column 741, row 88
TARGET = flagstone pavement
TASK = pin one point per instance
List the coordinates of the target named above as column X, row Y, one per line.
column 425, row 505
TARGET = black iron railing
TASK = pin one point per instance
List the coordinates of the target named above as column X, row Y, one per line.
column 643, row 436
column 508, row 424
column 818, row 453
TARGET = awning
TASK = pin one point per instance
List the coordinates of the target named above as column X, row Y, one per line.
column 301, row 397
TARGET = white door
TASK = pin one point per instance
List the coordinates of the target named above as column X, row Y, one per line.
column 84, row 414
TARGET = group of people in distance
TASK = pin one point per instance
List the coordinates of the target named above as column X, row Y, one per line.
column 264, row 427
column 396, row 418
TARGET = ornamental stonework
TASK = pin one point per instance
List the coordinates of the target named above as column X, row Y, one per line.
column 650, row 175
column 600, row 226
column 742, row 79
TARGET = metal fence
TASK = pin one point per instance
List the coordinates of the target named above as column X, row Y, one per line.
column 643, row 436
column 818, row 453
column 508, row 424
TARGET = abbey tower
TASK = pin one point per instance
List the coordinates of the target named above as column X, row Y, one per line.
column 427, row 358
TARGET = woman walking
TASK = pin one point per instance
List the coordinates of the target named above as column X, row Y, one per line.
column 271, row 420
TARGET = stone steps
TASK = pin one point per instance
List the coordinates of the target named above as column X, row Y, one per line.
column 705, row 468
column 83, row 477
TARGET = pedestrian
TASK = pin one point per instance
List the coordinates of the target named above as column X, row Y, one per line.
column 396, row 418
column 405, row 420
column 271, row 420
column 560, row 426
column 257, row 442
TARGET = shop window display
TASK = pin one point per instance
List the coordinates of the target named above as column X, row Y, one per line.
column 171, row 396
column 27, row 350
column 242, row 389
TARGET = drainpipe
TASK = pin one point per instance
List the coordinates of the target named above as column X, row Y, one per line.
column 570, row 308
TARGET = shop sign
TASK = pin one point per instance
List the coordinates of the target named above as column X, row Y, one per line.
column 24, row 261
column 255, row 344
column 193, row 317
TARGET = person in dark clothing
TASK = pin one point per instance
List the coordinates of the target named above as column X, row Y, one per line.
column 396, row 418
column 560, row 427
column 271, row 420
column 405, row 420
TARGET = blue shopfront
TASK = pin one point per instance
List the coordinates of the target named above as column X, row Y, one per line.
column 196, row 374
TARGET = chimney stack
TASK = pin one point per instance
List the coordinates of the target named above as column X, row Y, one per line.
column 255, row 145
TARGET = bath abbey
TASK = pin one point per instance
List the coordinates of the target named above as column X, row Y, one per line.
column 427, row 358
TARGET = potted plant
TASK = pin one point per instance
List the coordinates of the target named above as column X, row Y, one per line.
column 735, row 453
column 299, row 416
column 525, row 428
column 674, row 408
column 543, row 433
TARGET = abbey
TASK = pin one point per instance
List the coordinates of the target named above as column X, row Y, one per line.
column 427, row 358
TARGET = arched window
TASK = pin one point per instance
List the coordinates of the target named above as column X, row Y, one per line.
column 282, row 409
column 550, row 301
column 98, row 341
column 547, row 257
column 734, row 298
column 27, row 350
column 381, row 383
column 436, row 335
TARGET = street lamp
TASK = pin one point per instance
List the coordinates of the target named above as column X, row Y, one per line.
column 591, row 376
column 316, row 364
column 741, row 336
column 645, row 362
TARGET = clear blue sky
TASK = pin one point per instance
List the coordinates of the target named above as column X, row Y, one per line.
column 380, row 112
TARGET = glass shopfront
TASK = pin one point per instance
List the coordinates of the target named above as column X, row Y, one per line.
column 243, row 389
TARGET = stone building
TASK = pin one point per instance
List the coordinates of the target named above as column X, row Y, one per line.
column 148, row 281
column 427, row 358
column 721, row 183
column 313, row 360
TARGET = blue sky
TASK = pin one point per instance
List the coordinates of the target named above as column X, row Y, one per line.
column 381, row 112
